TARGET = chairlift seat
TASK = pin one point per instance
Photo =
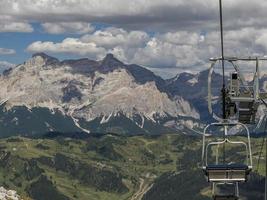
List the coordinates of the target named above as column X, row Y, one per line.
column 227, row 172
column 225, row 197
column 227, row 167
column 242, row 99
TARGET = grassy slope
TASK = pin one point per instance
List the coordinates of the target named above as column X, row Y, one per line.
column 141, row 158
column 133, row 158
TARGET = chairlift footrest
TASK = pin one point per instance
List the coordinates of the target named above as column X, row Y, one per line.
column 225, row 197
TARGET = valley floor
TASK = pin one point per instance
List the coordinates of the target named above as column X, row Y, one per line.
column 112, row 167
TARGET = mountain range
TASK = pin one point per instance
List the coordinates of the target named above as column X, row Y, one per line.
column 45, row 94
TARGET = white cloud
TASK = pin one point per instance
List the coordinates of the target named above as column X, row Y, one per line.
column 83, row 7
column 68, row 27
column 182, row 50
column 68, row 45
column 159, row 33
column 160, row 53
column 111, row 40
column 141, row 14
column 6, row 26
column 181, row 38
column 4, row 51
column 112, row 37
column 262, row 41
column 161, row 50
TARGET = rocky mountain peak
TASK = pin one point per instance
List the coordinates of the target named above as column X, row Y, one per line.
column 93, row 93
column 80, row 62
column 44, row 56
column 44, row 59
column 110, row 63
column 109, row 56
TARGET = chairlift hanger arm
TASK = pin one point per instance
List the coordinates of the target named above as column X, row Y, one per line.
column 232, row 59
column 230, row 142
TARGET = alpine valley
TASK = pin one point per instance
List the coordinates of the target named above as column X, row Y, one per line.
column 105, row 130
column 47, row 95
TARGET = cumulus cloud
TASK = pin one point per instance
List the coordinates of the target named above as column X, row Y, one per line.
column 160, row 33
column 67, row 27
column 161, row 51
column 15, row 27
column 111, row 40
column 4, row 51
column 112, row 37
column 68, row 45
column 181, row 49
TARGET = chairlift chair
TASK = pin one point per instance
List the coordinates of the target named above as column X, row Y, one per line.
column 239, row 102
column 226, row 172
column 242, row 98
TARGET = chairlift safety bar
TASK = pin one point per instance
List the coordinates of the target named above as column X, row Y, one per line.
column 225, row 124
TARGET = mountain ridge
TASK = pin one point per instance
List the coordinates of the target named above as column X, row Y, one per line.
column 85, row 90
column 108, row 96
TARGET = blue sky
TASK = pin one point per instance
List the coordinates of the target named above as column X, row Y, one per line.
column 20, row 41
column 177, row 35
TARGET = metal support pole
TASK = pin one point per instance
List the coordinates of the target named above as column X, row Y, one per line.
column 222, row 51
column 265, row 195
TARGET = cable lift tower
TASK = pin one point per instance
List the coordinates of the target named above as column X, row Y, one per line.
column 240, row 102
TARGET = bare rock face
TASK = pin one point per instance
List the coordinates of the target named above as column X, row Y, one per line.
column 8, row 194
column 85, row 89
